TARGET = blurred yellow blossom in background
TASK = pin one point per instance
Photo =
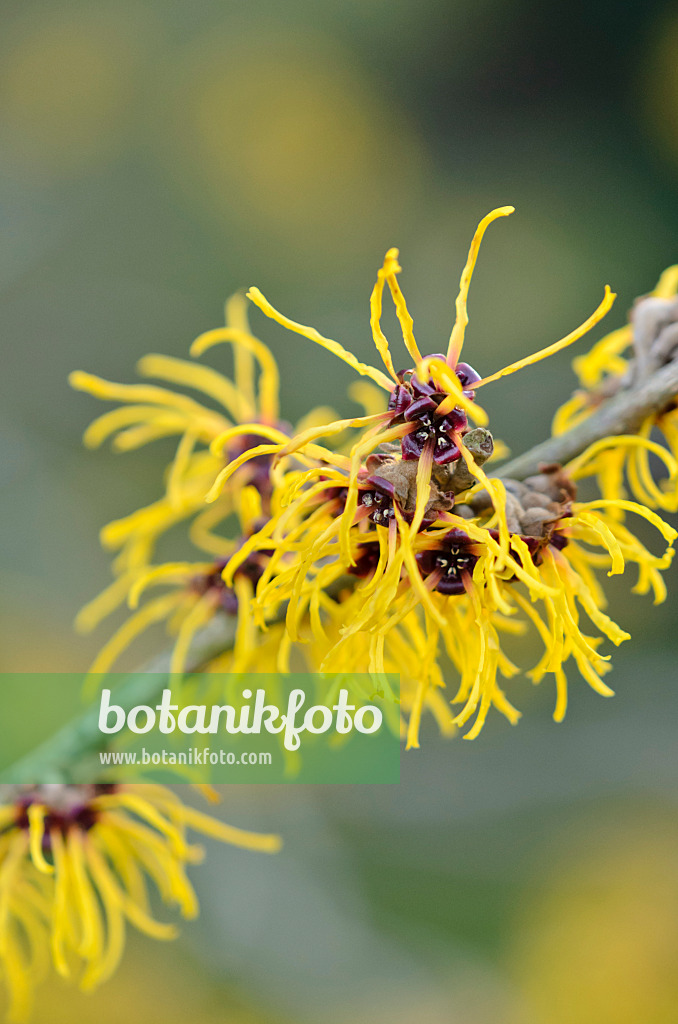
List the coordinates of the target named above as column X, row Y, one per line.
column 597, row 942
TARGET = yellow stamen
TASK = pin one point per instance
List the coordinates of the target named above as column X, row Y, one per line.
column 199, row 615
column 265, row 843
column 310, row 332
column 178, row 469
column 457, row 336
column 202, row 378
column 543, row 353
column 103, row 426
column 170, row 572
column 154, row 611
column 105, row 389
column 236, row 318
column 447, row 380
column 103, row 604
column 380, row 339
column 327, row 430
column 607, row 538
column 269, row 380
column 36, row 824
column 667, row 285
column 667, row 532
column 391, row 268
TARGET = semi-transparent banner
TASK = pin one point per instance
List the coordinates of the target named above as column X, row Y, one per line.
column 204, row 728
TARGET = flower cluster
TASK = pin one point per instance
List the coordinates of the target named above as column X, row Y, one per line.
column 380, row 542
column 75, row 863
column 150, row 412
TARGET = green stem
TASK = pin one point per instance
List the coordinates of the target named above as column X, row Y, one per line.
column 60, row 758
column 622, row 414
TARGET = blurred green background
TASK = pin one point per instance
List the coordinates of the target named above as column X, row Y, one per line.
column 157, row 156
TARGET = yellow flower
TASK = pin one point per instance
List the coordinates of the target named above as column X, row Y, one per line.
column 451, row 592
column 621, row 360
column 197, row 594
column 208, row 439
column 429, row 405
column 383, row 510
column 381, row 540
column 75, row 862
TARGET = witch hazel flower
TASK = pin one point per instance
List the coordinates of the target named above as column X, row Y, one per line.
column 385, row 542
column 77, row 863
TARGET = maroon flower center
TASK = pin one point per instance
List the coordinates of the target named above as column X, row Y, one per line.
column 367, row 558
column 454, row 558
column 416, row 402
column 252, row 568
column 79, row 814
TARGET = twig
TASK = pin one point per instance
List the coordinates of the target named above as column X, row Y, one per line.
column 60, row 758
column 622, row 414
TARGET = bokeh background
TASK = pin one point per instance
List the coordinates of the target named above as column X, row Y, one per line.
column 155, row 157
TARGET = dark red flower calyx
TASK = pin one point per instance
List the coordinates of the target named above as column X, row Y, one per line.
column 452, row 561
column 366, row 560
column 252, row 568
column 66, row 807
column 415, row 401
